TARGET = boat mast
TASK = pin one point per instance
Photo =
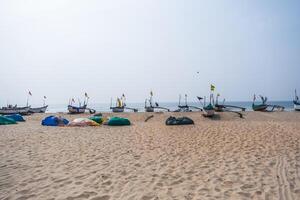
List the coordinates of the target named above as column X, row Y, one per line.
column 185, row 99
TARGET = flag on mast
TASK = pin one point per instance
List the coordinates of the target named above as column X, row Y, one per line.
column 29, row 93
column 86, row 95
column 212, row 88
column 151, row 93
column 45, row 97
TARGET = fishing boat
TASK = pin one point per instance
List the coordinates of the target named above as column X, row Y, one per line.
column 76, row 109
column 223, row 107
column 121, row 105
column 263, row 107
column 14, row 110
column 149, row 107
column 209, row 110
column 41, row 109
column 186, row 107
column 296, row 102
column 38, row 109
column 80, row 108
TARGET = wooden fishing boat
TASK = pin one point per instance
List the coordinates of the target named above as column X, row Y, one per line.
column 186, row 107
column 80, row 109
column 76, row 110
column 117, row 109
column 15, row 110
column 121, row 105
column 149, row 105
column 264, row 106
column 259, row 107
column 209, row 110
column 38, row 109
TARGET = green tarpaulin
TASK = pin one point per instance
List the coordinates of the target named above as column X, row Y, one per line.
column 118, row 121
column 97, row 119
column 6, row 121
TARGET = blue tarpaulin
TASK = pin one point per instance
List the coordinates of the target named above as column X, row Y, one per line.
column 54, row 121
column 16, row 117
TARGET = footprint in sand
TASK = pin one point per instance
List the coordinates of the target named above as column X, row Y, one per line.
column 105, row 197
column 107, row 183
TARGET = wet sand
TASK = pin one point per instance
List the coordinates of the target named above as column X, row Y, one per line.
column 223, row 158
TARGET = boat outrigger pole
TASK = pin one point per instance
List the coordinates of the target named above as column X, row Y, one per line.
column 264, row 106
column 221, row 107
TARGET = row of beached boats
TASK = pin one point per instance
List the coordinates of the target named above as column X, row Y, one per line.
column 26, row 110
column 9, row 109
column 207, row 109
column 151, row 106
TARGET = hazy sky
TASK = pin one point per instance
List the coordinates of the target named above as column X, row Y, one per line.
column 62, row 49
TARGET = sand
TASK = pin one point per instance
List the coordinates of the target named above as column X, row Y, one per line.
column 225, row 158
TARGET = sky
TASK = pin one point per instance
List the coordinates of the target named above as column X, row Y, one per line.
column 64, row 48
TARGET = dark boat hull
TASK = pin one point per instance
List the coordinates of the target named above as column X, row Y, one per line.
column 117, row 109
column 262, row 107
column 17, row 110
column 76, row 110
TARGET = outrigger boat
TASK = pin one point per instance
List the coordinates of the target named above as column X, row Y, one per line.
column 209, row 110
column 14, row 110
column 149, row 107
column 39, row 109
column 296, row 102
column 121, row 105
column 227, row 108
column 186, row 107
column 264, row 106
column 222, row 107
column 80, row 109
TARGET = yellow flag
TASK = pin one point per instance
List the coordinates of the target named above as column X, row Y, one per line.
column 212, row 87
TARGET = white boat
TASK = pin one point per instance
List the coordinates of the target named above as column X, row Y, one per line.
column 14, row 110
column 38, row 109
column 297, row 106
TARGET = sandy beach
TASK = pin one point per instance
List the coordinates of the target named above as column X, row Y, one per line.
column 225, row 158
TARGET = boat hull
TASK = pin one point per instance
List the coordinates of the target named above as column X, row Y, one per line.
column 296, row 107
column 76, row 110
column 20, row 110
column 259, row 107
column 117, row 109
column 209, row 113
column 149, row 109
column 39, row 109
